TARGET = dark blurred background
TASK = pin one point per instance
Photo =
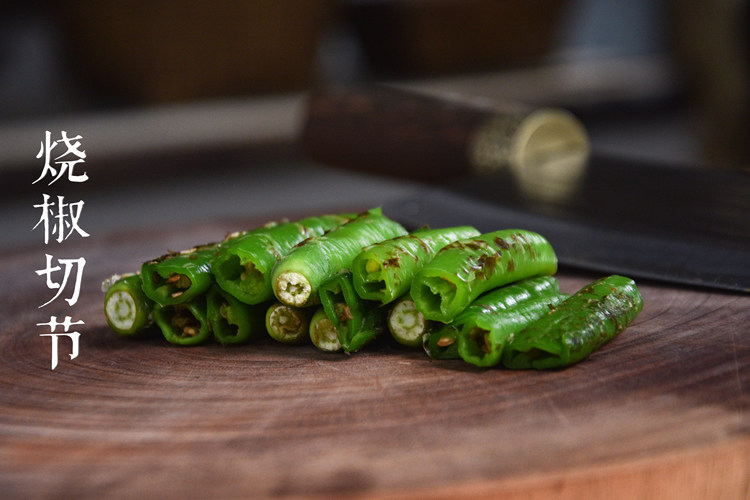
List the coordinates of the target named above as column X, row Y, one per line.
column 661, row 80
column 615, row 62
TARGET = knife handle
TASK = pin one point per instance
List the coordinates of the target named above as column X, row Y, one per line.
column 433, row 138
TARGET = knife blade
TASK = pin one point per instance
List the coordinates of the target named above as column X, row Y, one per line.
column 683, row 226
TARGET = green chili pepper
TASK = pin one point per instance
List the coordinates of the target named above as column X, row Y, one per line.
column 323, row 333
column 357, row 321
column 384, row 271
column 297, row 277
column 288, row 324
column 179, row 276
column 407, row 325
column 443, row 339
column 185, row 323
column 126, row 307
column 577, row 327
column 486, row 325
column 233, row 321
column 442, row 343
column 463, row 270
column 243, row 266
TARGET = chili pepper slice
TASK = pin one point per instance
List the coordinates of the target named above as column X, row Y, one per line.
column 442, row 343
column 288, row 324
column 185, row 323
column 243, row 266
column 463, row 270
column 357, row 321
column 384, row 271
column 323, row 333
column 297, row 277
column 233, row 321
column 407, row 325
column 179, row 277
column 577, row 327
column 486, row 325
column 126, row 308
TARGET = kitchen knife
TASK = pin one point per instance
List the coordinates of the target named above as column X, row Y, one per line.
column 579, row 244
column 678, row 224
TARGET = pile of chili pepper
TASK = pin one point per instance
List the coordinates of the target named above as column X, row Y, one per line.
column 340, row 281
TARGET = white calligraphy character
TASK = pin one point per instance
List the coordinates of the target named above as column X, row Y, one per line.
column 66, row 218
column 68, row 263
column 66, row 161
column 74, row 336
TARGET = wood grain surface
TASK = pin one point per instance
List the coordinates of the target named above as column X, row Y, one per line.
column 663, row 411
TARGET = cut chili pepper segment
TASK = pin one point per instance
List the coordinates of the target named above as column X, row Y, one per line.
column 407, row 325
column 577, row 327
column 384, row 271
column 185, row 323
column 297, row 277
column 489, row 322
column 356, row 320
column 126, row 308
column 243, row 266
column 231, row 320
column 442, row 343
column 480, row 315
column 323, row 334
column 179, row 277
column 465, row 269
column 288, row 324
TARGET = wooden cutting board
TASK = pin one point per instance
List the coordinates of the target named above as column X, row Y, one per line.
column 663, row 411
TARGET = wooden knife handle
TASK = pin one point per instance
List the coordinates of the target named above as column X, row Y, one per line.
column 434, row 138
column 387, row 131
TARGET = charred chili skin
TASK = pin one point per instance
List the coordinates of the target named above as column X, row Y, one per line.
column 465, row 269
column 383, row 271
column 297, row 277
column 577, row 327
column 184, row 324
column 443, row 341
column 243, row 266
column 356, row 320
column 126, row 308
column 179, row 277
column 487, row 324
column 232, row 321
